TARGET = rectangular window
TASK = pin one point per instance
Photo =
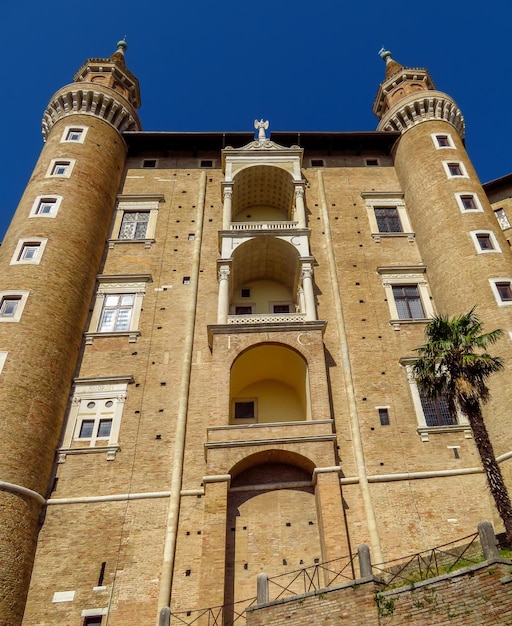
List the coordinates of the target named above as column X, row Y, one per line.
column 443, row 141
column 502, row 218
column 245, row 293
column 484, row 241
column 45, row 206
column 504, row 291
column 317, row 162
column 134, row 225
column 74, row 134
column 9, row 306
column 149, row 163
column 383, row 416
column 29, row 252
column 243, row 310
column 116, row 313
column 388, row 220
column 60, row 168
column 206, row 163
column 281, row 308
column 455, row 169
column 468, row 202
column 92, row 621
column 436, row 411
column 408, row 302
column 244, row 410
column 372, row 162
column 186, row 280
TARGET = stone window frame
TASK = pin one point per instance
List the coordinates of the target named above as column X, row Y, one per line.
column 46, row 199
column 494, row 282
column 110, row 285
column 390, row 200
column 435, row 140
column 77, row 128
column 136, row 204
column 95, row 389
column 494, row 242
column 21, row 297
column 460, row 194
column 25, row 242
column 460, row 165
column 408, row 275
column 3, row 359
column 69, row 163
column 423, row 429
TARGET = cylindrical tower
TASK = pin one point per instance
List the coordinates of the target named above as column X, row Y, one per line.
column 49, row 260
column 458, row 236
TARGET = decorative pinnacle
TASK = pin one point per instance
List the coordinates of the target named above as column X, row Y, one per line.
column 385, row 55
column 122, row 45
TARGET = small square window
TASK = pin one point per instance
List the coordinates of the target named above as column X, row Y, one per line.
column 245, row 293
column 45, row 206
column 502, row 218
column 281, row 308
column 372, row 162
column 443, row 141
column 468, row 202
column 74, row 134
column 317, row 162
column 245, row 410
column 191, row 236
column 388, row 220
column 186, row 280
column 149, row 163
column 9, row 306
column 383, row 416
column 206, row 163
column 29, row 252
column 484, row 241
column 455, row 169
column 61, row 168
column 504, row 291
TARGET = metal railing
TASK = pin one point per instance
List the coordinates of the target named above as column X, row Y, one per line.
column 440, row 560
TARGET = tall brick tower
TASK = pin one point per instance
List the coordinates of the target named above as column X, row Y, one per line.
column 466, row 256
column 50, row 257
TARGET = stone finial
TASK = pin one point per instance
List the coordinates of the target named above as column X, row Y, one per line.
column 385, row 55
column 122, row 45
column 261, row 126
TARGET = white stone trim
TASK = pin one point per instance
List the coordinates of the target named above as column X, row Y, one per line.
column 82, row 129
column 133, row 205
column 387, row 200
column 435, row 141
column 393, row 276
column 22, row 296
column 495, row 245
column 42, row 200
column 460, row 194
column 98, row 391
column 3, row 358
column 69, row 163
column 460, row 164
column 493, row 282
column 41, row 243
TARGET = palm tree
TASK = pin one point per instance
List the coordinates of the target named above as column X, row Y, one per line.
column 455, row 364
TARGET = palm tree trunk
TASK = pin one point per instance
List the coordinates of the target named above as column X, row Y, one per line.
column 472, row 409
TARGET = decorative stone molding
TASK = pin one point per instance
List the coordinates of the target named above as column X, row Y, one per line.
column 89, row 101
column 420, row 107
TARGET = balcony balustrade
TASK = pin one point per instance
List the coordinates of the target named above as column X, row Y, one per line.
column 270, row 225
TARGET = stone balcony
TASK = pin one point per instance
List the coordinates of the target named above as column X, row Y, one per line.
column 266, row 318
column 271, row 225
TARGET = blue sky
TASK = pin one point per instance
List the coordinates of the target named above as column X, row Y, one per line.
column 216, row 66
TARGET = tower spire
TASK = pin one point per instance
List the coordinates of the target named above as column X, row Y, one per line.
column 392, row 66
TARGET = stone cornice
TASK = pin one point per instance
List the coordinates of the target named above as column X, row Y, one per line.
column 89, row 99
column 421, row 107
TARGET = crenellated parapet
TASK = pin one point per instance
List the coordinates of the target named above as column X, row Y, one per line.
column 90, row 100
column 420, row 107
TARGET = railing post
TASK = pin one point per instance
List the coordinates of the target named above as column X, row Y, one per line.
column 488, row 541
column 165, row 617
column 365, row 564
column 262, row 589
